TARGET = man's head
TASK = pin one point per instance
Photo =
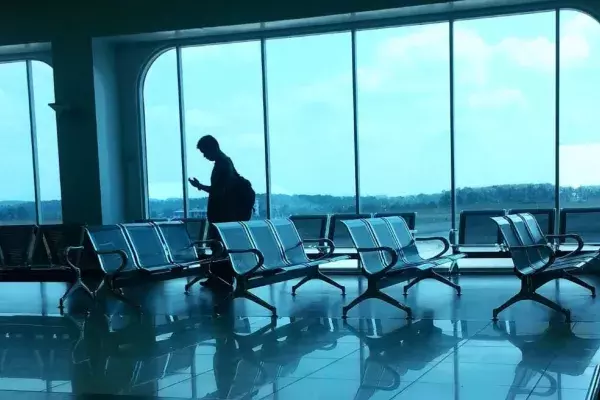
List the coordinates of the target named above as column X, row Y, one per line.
column 209, row 147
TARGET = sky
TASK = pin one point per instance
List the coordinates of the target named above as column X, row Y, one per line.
column 504, row 109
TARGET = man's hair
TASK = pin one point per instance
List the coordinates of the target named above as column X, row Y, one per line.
column 208, row 142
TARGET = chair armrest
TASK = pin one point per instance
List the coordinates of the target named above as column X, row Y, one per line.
column 256, row 252
column 393, row 254
column 574, row 236
column 445, row 242
column 67, row 252
column 329, row 245
column 124, row 261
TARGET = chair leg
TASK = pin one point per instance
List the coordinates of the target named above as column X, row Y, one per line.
column 412, row 283
column 569, row 277
column 72, row 288
column 376, row 294
column 327, row 279
column 440, row 278
column 192, row 283
column 516, row 298
column 390, row 300
column 302, row 282
column 366, row 295
column 538, row 298
column 252, row 297
column 430, row 273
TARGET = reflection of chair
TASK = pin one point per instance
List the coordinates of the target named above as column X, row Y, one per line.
column 45, row 342
column 535, row 264
column 387, row 361
column 558, row 336
column 142, row 351
column 244, row 363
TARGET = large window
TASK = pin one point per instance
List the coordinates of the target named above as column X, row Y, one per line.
column 311, row 128
column 505, row 112
column 391, row 112
column 579, row 104
column 28, row 137
column 222, row 91
column 403, row 80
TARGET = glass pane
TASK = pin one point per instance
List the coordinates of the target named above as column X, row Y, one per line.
column 505, row 109
column 47, row 143
column 222, row 88
column 404, row 123
column 311, row 124
column 579, row 116
column 163, row 139
column 17, row 201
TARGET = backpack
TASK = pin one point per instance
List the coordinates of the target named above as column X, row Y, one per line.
column 246, row 198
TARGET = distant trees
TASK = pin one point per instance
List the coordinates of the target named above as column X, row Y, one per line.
column 501, row 196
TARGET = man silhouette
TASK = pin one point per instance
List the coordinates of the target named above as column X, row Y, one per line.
column 230, row 198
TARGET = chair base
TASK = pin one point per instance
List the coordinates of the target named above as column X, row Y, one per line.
column 529, row 285
column 430, row 273
column 242, row 286
column 373, row 292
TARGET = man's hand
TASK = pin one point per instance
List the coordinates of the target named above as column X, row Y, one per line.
column 195, row 183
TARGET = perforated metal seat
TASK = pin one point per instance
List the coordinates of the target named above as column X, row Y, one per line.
column 387, row 250
column 270, row 251
column 131, row 253
column 535, row 262
column 42, row 254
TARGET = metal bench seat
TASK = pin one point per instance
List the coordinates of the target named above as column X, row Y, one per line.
column 48, row 253
column 536, row 263
column 388, row 251
column 135, row 253
column 183, row 250
column 263, row 252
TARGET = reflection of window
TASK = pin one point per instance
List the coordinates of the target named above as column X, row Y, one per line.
column 579, row 104
column 505, row 111
column 311, row 124
column 222, row 90
column 403, row 81
column 23, row 82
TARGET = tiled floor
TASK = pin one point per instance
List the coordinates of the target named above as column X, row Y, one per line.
column 176, row 349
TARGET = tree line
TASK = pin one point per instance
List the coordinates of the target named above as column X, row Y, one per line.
column 501, row 196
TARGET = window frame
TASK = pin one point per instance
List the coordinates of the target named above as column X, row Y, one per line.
column 462, row 13
column 28, row 59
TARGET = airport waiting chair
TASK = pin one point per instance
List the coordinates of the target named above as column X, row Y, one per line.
column 388, row 253
column 535, row 264
column 263, row 252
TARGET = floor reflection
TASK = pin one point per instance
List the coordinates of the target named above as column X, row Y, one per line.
column 168, row 356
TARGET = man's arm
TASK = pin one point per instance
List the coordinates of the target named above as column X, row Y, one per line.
column 195, row 183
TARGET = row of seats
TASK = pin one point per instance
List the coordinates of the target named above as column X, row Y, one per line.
column 263, row 252
column 310, row 227
column 536, row 260
column 123, row 254
column 478, row 236
column 269, row 251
